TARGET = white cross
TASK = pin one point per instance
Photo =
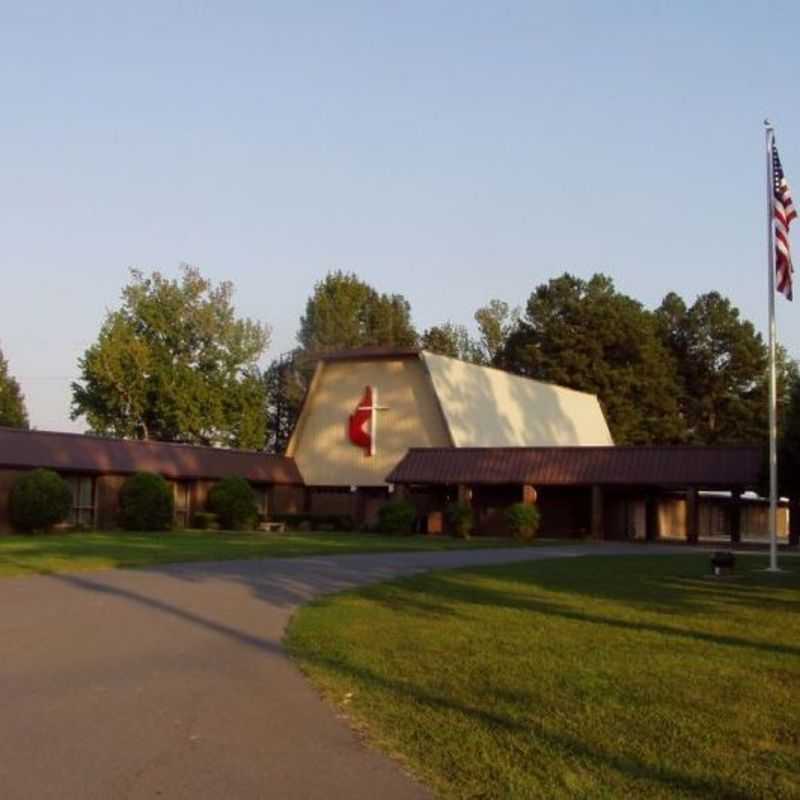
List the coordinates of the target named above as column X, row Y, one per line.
column 373, row 420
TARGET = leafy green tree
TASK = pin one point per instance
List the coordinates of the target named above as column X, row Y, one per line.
column 588, row 336
column 345, row 312
column 174, row 363
column 496, row 321
column 452, row 340
column 13, row 413
column 285, row 382
column 722, row 367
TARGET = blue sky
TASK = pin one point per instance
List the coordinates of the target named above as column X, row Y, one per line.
column 453, row 152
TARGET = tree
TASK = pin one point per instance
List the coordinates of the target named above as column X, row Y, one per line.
column 285, row 382
column 587, row 336
column 13, row 413
column 174, row 363
column 452, row 340
column 496, row 322
column 722, row 367
column 342, row 313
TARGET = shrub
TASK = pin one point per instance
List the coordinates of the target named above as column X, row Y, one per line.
column 205, row 520
column 234, row 503
column 461, row 519
column 397, row 516
column 39, row 500
column 523, row 521
column 146, row 503
column 310, row 521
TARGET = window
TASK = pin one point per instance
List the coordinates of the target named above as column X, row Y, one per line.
column 262, row 499
column 82, row 511
column 182, row 493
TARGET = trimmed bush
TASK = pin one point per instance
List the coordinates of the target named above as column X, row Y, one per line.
column 315, row 522
column 461, row 519
column 234, row 503
column 39, row 500
column 397, row 516
column 146, row 503
column 523, row 521
column 205, row 521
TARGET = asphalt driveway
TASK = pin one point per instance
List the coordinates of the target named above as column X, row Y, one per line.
column 172, row 682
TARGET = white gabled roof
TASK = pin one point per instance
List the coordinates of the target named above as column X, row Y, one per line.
column 486, row 407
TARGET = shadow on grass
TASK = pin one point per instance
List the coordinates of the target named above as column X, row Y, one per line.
column 570, row 746
column 48, row 553
column 534, row 587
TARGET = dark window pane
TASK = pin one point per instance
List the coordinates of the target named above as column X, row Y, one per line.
column 86, row 492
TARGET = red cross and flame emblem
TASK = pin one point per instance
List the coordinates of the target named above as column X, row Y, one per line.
column 363, row 428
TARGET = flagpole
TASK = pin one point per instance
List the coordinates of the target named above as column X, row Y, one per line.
column 773, row 433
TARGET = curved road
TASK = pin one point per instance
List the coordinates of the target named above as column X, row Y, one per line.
column 172, row 682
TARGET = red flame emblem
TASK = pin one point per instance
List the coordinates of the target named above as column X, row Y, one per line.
column 359, row 435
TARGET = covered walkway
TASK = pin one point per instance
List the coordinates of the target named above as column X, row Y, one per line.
column 671, row 492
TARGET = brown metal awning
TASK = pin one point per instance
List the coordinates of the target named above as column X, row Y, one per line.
column 678, row 466
column 73, row 452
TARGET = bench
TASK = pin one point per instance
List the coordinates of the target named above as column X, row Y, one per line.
column 273, row 527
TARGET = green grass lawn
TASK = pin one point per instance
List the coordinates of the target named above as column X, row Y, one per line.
column 596, row 677
column 22, row 555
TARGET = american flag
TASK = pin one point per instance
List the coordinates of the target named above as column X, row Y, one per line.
column 783, row 213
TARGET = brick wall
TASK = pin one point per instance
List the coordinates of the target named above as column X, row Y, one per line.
column 107, row 489
column 7, row 478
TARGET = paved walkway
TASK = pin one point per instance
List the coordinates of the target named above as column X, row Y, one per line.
column 172, row 682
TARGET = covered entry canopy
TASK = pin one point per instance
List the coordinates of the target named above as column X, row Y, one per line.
column 736, row 468
column 586, row 489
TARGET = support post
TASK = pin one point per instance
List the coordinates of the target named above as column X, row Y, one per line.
column 692, row 517
column 528, row 495
column 794, row 523
column 651, row 532
column 736, row 516
column 598, row 531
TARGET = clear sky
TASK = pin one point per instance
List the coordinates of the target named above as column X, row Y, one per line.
column 453, row 152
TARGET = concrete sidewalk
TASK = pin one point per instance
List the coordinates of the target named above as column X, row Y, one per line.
column 173, row 683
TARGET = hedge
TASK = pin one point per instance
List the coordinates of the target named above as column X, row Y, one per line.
column 461, row 519
column 234, row 503
column 39, row 500
column 523, row 521
column 397, row 516
column 146, row 503
column 337, row 522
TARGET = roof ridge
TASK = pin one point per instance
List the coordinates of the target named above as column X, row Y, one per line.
column 144, row 442
column 511, row 374
column 579, row 447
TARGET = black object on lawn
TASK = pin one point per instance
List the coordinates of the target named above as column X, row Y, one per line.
column 723, row 562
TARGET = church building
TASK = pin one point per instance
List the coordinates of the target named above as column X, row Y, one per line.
column 378, row 423
column 365, row 409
